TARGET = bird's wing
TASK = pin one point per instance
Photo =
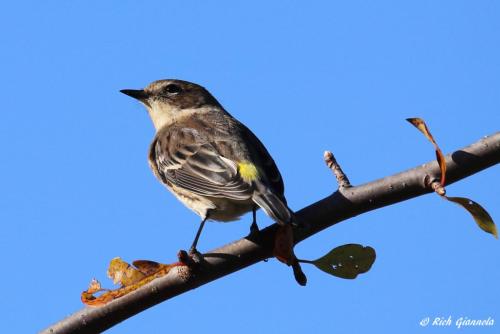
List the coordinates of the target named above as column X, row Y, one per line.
column 268, row 167
column 269, row 194
column 184, row 158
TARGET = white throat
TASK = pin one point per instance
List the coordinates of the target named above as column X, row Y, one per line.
column 163, row 114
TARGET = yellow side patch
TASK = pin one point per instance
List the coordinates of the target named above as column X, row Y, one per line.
column 248, row 171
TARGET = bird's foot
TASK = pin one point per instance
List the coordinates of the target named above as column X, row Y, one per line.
column 254, row 234
column 195, row 255
column 191, row 259
column 254, row 228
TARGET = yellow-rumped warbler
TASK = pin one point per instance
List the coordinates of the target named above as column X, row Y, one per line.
column 209, row 160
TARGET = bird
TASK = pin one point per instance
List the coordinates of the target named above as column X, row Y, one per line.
column 209, row 160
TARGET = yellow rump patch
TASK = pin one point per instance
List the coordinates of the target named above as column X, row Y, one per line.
column 248, row 171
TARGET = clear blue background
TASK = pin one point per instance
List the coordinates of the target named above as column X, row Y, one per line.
column 77, row 190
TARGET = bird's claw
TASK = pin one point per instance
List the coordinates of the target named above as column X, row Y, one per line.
column 195, row 255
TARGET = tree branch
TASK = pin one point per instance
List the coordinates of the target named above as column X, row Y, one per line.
column 343, row 204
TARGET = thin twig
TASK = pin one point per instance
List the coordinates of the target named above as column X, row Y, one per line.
column 332, row 163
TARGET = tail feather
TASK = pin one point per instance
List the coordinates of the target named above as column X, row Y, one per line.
column 274, row 207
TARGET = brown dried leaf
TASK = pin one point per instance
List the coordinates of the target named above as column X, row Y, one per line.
column 283, row 251
column 283, row 244
column 87, row 296
column 94, row 286
column 480, row 215
column 130, row 278
column 147, row 267
column 420, row 125
column 122, row 272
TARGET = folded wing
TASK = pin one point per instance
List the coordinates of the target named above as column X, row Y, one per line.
column 182, row 157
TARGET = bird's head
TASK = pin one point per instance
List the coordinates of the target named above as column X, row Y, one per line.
column 167, row 100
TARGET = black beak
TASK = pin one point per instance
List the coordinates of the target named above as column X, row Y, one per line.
column 137, row 94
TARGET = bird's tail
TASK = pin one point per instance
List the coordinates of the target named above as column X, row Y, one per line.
column 274, row 206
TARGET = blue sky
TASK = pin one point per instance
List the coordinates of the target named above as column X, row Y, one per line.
column 305, row 77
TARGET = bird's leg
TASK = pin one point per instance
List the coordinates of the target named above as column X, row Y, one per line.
column 254, row 228
column 193, row 249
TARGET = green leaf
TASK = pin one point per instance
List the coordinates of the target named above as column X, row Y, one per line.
column 347, row 261
column 480, row 215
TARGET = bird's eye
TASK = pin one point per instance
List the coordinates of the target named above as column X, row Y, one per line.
column 173, row 89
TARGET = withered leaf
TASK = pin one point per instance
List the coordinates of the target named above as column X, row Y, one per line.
column 283, row 244
column 420, row 125
column 283, row 251
column 129, row 277
column 122, row 272
column 94, row 286
column 480, row 215
column 147, row 267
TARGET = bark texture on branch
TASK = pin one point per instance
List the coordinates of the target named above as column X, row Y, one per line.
column 341, row 205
